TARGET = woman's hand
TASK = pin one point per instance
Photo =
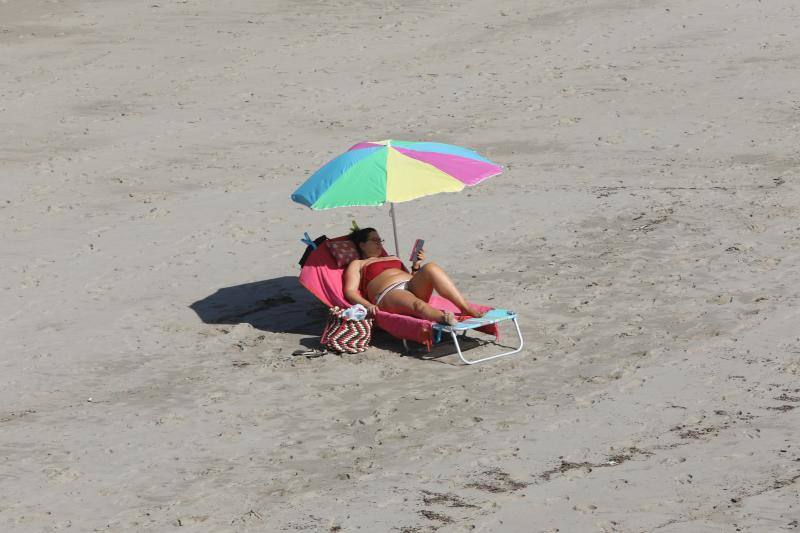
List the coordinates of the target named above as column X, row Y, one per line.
column 372, row 310
column 415, row 266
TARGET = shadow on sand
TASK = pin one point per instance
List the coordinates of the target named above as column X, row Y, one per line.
column 279, row 305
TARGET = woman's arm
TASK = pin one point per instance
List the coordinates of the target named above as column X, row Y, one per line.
column 352, row 279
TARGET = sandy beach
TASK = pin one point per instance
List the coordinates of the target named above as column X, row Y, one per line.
column 645, row 229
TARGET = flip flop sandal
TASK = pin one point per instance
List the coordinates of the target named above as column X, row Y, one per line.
column 310, row 353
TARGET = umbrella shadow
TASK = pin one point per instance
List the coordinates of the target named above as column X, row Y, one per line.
column 279, row 305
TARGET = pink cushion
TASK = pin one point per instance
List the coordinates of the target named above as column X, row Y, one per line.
column 343, row 251
column 323, row 278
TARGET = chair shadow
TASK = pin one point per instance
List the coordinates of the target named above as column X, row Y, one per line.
column 445, row 351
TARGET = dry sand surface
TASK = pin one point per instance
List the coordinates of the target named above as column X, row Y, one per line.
column 646, row 229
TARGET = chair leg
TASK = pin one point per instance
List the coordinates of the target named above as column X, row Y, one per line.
column 461, row 355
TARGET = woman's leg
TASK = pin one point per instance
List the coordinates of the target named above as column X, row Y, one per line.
column 431, row 277
column 403, row 302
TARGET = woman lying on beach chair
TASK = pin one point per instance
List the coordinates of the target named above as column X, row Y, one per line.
column 322, row 272
column 377, row 281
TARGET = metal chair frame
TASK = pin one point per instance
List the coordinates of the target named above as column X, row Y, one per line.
column 464, row 327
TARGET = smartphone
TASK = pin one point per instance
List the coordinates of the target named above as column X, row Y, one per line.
column 418, row 244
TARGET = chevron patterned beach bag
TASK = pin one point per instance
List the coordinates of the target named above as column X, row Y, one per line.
column 344, row 335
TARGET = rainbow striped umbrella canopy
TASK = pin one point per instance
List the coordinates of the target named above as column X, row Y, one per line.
column 373, row 173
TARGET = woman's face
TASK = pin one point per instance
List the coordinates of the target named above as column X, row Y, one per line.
column 373, row 246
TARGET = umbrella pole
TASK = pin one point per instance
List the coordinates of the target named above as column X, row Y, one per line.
column 394, row 228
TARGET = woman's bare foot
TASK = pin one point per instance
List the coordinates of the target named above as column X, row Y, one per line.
column 448, row 319
column 471, row 311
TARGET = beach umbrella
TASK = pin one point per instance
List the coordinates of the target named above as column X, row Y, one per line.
column 374, row 173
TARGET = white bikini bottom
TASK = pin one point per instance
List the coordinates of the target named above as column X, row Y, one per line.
column 399, row 286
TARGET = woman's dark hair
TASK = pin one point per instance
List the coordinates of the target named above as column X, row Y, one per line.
column 360, row 235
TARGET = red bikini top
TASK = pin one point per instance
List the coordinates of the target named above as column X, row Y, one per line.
column 372, row 270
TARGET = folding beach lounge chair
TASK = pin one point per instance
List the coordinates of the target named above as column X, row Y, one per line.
column 321, row 275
